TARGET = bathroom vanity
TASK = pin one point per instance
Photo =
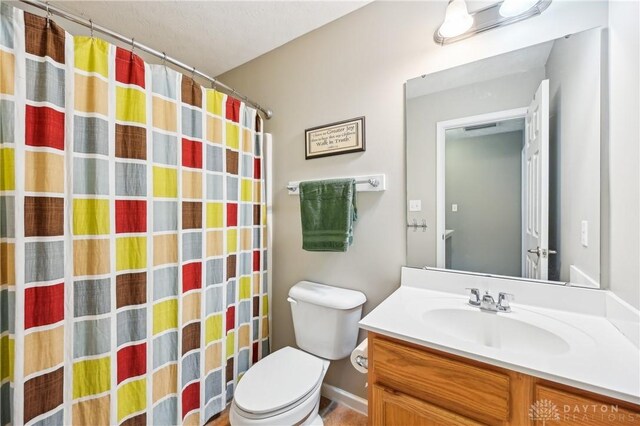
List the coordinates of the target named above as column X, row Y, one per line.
column 563, row 355
column 492, row 149
column 410, row 384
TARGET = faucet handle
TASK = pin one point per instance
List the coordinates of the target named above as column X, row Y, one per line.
column 503, row 301
column 474, row 296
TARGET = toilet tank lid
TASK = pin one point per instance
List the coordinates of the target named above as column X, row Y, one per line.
column 327, row 296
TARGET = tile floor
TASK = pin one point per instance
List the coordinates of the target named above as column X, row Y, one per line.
column 333, row 414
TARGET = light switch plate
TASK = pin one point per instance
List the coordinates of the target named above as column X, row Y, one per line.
column 584, row 233
column 454, row 207
column 415, row 205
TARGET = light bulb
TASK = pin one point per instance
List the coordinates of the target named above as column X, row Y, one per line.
column 511, row 8
column 456, row 20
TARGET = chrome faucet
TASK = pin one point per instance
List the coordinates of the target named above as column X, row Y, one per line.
column 474, row 296
column 503, row 302
column 488, row 303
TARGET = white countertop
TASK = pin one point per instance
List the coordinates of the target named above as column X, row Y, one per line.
column 601, row 359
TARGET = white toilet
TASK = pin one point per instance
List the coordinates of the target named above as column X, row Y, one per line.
column 283, row 389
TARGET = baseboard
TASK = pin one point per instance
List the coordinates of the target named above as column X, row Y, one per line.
column 350, row 400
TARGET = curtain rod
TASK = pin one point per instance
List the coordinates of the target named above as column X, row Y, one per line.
column 42, row 5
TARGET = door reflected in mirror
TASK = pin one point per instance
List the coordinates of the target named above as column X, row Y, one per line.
column 484, row 217
column 503, row 156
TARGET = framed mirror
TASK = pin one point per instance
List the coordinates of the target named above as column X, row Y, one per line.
column 504, row 163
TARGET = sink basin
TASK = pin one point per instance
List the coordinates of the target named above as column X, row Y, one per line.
column 498, row 331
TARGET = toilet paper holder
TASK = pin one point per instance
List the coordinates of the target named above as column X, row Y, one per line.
column 362, row 361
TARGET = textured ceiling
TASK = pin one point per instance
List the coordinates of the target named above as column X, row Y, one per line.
column 213, row 36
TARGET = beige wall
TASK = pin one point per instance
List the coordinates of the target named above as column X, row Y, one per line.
column 574, row 73
column 357, row 66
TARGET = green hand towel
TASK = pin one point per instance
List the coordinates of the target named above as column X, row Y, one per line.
column 328, row 210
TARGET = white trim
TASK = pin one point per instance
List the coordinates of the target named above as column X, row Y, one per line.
column 523, row 206
column 441, row 128
column 342, row 396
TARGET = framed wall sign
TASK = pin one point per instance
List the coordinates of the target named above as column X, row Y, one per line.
column 336, row 138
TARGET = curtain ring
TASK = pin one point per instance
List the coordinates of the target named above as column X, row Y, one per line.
column 193, row 73
column 48, row 15
column 133, row 45
column 91, row 27
column 213, row 84
column 164, row 59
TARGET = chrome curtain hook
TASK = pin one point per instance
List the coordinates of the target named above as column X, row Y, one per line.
column 193, row 73
column 48, row 15
column 91, row 27
column 133, row 45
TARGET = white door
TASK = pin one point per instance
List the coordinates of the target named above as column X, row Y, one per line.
column 536, row 217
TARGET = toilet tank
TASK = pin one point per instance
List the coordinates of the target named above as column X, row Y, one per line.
column 325, row 318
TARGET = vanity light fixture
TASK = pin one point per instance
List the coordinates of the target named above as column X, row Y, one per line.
column 456, row 19
column 460, row 24
column 510, row 8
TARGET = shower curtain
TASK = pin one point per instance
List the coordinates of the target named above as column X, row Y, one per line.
column 133, row 280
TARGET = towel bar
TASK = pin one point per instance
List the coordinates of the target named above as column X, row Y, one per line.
column 363, row 184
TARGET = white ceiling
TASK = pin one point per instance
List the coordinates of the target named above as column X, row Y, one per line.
column 213, row 36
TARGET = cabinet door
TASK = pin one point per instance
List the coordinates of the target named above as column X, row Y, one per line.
column 571, row 409
column 393, row 408
column 473, row 391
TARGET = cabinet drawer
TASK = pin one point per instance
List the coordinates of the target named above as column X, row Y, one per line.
column 465, row 389
column 572, row 409
column 395, row 408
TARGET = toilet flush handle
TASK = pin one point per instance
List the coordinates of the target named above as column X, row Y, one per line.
column 293, row 301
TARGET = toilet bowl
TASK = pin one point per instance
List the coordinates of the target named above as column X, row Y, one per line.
column 283, row 389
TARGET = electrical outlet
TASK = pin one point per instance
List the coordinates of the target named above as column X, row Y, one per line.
column 454, row 207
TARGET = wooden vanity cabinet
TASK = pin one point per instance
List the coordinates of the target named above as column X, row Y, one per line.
column 413, row 385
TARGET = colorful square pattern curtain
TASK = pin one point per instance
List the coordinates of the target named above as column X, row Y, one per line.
column 133, row 281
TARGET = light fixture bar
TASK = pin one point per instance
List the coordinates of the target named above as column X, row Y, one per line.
column 489, row 18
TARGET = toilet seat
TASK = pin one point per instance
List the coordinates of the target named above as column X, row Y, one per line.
column 302, row 407
column 304, row 413
column 278, row 383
